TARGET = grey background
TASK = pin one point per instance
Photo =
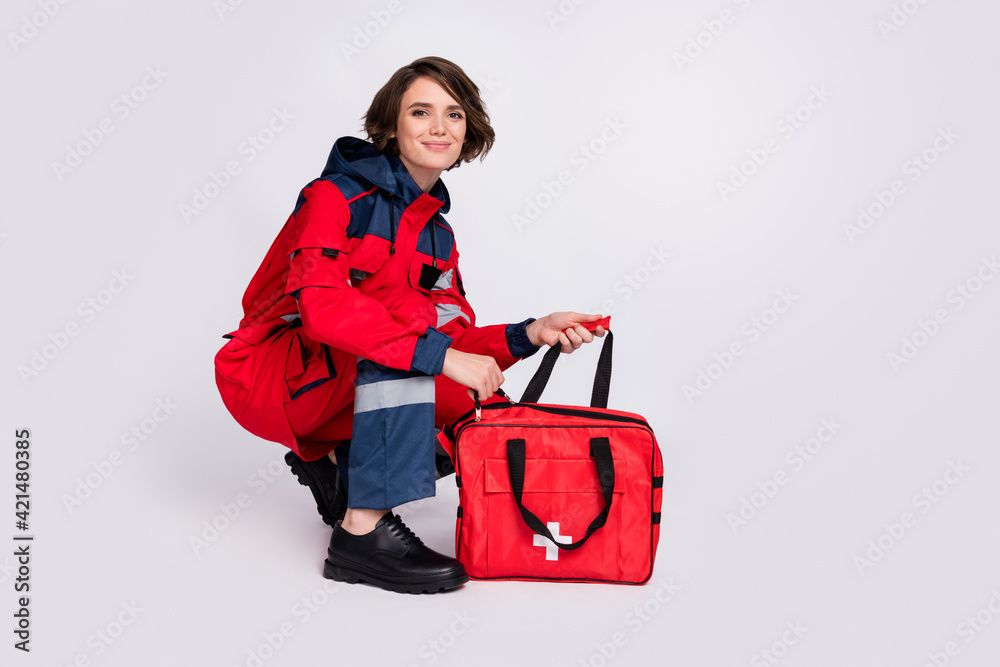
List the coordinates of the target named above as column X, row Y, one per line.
column 550, row 88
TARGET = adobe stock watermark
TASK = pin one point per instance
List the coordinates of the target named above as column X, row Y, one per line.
column 121, row 108
column 8, row 569
column 914, row 167
column 923, row 501
column 796, row 458
column 561, row 12
column 585, row 155
column 634, row 280
column 248, row 149
column 32, row 24
column 105, row 636
column 302, row 611
column 87, row 311
column 927, row 329
column 435, row 648
column 900, row 15
column 637, row 618
column 779, row 648
column 212, row 528
column 487, row 86
column 131, row 440
column 225, row 7
column 752, row 330
column 712, row 29
column 967, row 630
column 365, row 34
column 786, row 127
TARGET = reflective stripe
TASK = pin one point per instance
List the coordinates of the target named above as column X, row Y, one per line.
column 393, row 393
column 449, row 311
column 444, row 280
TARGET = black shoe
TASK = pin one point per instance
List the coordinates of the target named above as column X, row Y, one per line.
column 323, row 479
column 443, row 465
column 391, row 557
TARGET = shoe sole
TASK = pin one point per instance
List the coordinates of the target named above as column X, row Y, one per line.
column 339, row 572
column 305, row 477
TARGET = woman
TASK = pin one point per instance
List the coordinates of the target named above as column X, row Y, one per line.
column 357, row 339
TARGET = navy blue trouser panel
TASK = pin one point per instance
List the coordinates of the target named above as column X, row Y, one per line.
column 391, row 458
column 343, row 454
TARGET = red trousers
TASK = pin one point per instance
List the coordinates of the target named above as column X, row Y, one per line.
column 291, row 389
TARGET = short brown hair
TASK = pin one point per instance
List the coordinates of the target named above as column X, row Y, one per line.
column 380, row 120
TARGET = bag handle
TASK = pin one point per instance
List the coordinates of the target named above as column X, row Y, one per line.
column 600, row 451
column 602, row 378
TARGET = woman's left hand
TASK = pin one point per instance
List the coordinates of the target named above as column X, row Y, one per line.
column 564, row 329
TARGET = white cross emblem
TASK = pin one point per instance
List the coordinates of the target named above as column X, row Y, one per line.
column 551, row 550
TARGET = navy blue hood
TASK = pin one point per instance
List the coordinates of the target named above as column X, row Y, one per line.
column 358, row 159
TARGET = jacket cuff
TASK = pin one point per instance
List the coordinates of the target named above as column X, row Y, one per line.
column 428, row 355
column 518, row 344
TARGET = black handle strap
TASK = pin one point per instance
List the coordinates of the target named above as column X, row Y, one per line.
column 541, row 377
column 600, row 451
column 602, row 378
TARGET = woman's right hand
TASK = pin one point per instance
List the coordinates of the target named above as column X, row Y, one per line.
column 475, row 371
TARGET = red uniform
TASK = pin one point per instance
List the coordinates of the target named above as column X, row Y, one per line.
column 365, row 267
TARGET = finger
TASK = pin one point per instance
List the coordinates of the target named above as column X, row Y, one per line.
column 600, row 331
column 575, row 338
column 566, row 346
column 485, row 393
column 585, row 335
column 582, row 317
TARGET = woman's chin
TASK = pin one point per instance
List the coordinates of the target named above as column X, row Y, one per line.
column 436, row 160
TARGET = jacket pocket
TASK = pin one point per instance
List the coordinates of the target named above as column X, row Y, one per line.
column 366, row 259
column 424, row 277
column 316, row 267
column 430, row 269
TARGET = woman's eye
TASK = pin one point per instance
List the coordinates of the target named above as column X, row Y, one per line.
column 457, row 115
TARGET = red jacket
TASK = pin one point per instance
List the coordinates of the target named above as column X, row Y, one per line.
column 369, row 267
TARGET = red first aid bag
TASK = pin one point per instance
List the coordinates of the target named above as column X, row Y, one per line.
column 557, row 493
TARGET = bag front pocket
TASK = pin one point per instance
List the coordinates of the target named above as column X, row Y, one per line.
column 566, row 495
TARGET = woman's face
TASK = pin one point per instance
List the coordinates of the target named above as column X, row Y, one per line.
column 430, row 131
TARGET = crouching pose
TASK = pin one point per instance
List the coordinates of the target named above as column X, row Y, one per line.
column 357, row 340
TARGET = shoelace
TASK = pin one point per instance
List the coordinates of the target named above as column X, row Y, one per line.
column 397, row 526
